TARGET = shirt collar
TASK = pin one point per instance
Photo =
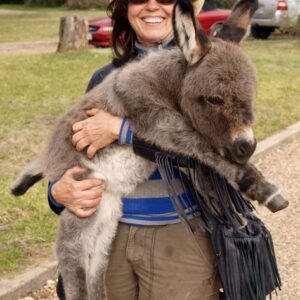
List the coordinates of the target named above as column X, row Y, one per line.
column 141, row 50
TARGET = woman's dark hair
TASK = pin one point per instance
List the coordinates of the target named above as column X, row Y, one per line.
column 123, row 35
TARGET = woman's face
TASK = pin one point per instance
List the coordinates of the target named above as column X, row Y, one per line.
column 151, row 21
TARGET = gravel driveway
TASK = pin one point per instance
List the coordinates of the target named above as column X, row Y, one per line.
column 39, row 47
column 282, row 167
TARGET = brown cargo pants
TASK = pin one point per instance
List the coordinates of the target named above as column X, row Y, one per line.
column 161, row 263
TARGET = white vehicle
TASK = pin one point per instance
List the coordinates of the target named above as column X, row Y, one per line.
column 273, row 14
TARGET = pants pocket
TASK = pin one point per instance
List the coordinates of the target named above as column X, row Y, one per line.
column 203, row 244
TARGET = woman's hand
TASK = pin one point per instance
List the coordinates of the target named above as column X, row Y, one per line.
column 80, row 197
column 96, row 132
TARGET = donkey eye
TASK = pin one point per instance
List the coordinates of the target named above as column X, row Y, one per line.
column 215, row 100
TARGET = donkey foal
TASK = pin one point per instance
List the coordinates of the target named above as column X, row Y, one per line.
column 195, row 100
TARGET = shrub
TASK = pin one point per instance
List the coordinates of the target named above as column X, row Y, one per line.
column 85, row 4
column 45, row 2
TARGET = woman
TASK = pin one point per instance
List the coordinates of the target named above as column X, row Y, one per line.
column 154, row 256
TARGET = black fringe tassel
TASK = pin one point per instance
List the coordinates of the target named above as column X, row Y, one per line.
column 242, row 244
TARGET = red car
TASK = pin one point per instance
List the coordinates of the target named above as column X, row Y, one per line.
column 100, row 30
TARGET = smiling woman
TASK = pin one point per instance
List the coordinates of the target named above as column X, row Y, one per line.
column 151, row 21
column 152, row 250
column 100, row 29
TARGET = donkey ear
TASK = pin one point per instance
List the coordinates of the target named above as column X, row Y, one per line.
column 193, row 43
column 197, row 5
column 235, row 28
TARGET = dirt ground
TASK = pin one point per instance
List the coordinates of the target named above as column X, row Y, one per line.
column 5, row 12
column 28, row 48
column 282, row 167
column 37, row 48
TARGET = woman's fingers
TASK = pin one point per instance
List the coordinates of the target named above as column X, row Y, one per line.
column 81, row 145
column 78, row 126
column 90, row 195
column 82, row 124
column 88, row 204
column 76, row 137
column 92, row 112
column 99, row 130
column 91, row 183
column 85, row 208
column 75, row 170
column 91, row 151
column 83, row 213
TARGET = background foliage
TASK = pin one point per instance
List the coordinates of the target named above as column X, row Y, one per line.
column 84, row 4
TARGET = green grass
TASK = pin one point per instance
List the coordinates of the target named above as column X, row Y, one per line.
column 277, row 103
column 35, row 89
column 31, row 24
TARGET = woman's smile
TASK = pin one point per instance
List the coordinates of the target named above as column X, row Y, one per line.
column 151, row 21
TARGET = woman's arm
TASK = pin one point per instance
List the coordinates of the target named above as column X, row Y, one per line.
column 82, row 197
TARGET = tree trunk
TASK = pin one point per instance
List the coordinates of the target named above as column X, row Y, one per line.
column 297, row 28
column 73, row 34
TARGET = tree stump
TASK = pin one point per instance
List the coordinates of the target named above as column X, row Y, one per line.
column 297, row 28
column 73, row 32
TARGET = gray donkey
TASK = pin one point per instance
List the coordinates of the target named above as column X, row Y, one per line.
column 194, row 100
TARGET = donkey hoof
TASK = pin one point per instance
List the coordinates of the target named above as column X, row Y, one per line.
column 277, row 203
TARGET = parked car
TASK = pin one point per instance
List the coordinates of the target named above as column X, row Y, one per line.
column 211, row 20
column 100, row 30
column 273, row 14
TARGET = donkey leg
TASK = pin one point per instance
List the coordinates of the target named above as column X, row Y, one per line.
column 253, row 184
column 95, row 275
column 71, row 255
column 109, row 214
column 73, row 279
column 168, row 130
column 249, row 181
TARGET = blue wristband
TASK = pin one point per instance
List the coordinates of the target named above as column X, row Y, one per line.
column 50, row 197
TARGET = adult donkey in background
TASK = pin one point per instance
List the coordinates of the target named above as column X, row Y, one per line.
column 194, row 100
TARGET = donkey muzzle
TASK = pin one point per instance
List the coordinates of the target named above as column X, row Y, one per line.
column 276, row 202
column 241, row 150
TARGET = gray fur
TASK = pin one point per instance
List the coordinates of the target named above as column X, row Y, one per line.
column 177, row 105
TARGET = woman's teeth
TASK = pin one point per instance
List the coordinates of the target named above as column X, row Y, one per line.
column 153, row 20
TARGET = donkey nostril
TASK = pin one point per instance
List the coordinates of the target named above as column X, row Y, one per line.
column 244, row 148
column 240, row 151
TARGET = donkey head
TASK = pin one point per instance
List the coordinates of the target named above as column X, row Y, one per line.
column 220, row 82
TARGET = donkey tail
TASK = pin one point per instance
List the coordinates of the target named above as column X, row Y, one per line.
column 28, row 177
